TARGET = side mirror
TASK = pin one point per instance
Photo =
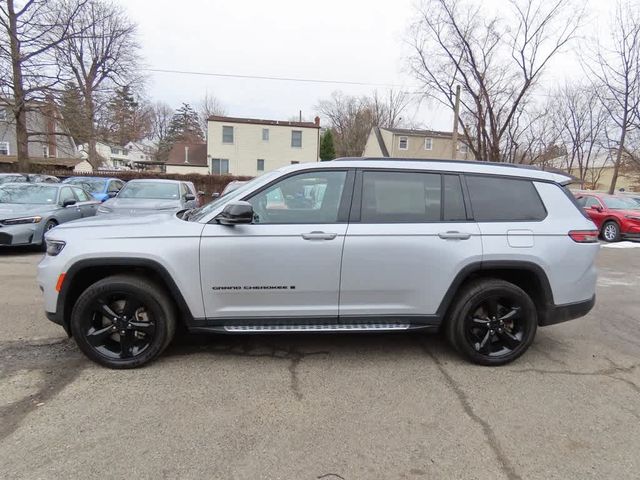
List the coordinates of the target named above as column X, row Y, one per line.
column 69, row 202
column 215, row 195
column 236, row 213
column 596, row 207
column 200, row 193
column 112, row 193
column 189, row 196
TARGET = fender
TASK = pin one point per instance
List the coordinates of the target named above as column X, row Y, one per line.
column 64, row 308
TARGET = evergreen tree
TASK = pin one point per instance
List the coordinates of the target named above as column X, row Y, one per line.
column 74, row 114
column 127, row 119
column 185, row 126
column 327, row 149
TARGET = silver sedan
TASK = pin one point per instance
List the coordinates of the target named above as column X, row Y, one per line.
column 28, row 210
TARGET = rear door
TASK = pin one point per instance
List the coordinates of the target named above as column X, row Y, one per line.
column 409, row 235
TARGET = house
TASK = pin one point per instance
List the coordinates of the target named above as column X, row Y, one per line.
column 188, row 157
column 133, row 155
column 246, row 146
column 408, row 143
column 49, row 140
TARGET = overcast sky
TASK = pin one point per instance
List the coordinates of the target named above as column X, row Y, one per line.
column 345, row 40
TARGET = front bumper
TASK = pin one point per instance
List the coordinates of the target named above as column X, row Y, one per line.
column 26, row 234
column 563, row 313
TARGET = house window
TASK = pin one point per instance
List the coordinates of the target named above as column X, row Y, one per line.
column 4, row 148
column 115, row 151
column 403, row 143
column 220, row 166
column 428, row 143
column 3, row 113
column 227, row 134
column 45, row 151
column 265, row 134
column 464, row 148
column 296, row 138
column 260, row 165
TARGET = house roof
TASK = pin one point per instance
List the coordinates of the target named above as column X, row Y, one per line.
column 381, row 144
column 256, row 121
column 197, row 154
column 419, row 133
column 51, row 161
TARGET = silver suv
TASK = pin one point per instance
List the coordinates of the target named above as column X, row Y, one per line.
column 484, row 252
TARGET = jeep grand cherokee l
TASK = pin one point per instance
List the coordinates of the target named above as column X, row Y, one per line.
column 484, row 252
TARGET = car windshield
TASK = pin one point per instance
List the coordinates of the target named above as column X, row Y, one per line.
column 9, row 178
column 28, row 194
column 203, row 211
column 159, row 190
column 620, row 203
column 90, row 184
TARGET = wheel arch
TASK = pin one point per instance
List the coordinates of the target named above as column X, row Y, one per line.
column 529, row 276
column 84, row 273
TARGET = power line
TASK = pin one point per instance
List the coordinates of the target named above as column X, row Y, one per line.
column 280, row 79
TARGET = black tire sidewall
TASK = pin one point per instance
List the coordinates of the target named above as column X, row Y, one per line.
column 470, row 297
column 149, row 295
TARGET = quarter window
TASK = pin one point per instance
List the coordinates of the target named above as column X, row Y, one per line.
column 496, row 199
column 403, row 143
column 296, row 138
column 312, row 197
column 219, row 166
column 227, row 134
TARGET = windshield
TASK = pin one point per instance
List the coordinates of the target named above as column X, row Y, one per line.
column 10, row 179
column 620, row 203
column 203, row 211
column 28, row 194
column 92, row 185
column 159, row 190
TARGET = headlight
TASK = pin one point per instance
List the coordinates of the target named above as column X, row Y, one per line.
column 103, row 209
column 633, row 217
column 22, row 220
column 54, row 247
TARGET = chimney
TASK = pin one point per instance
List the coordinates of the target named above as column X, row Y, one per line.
column 186, row 154
column 317, row 121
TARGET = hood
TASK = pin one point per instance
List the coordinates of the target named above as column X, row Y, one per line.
column 13, row 210
column 116, row 220
column 127, row 204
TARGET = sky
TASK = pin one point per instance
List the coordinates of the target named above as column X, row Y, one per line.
column 362, row 41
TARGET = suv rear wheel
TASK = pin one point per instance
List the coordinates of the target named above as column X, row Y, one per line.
column 123, row 321
column 493, row 322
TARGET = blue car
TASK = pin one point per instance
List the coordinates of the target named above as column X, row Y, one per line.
column 101, row 188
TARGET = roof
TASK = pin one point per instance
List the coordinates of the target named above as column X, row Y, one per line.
column 256, row 121
column 381, row 144
column 419, row 133
column 51, row 161
column 196, row 155
column 456, row 166
column 155, row 180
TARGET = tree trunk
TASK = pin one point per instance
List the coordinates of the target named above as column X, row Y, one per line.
column 616, row 165
column 19, row 100
column 93, row 159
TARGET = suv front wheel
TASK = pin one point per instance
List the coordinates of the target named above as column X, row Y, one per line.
column 492, row 322
column 123, row 321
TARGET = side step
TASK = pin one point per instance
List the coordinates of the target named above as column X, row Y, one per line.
column 344, row 327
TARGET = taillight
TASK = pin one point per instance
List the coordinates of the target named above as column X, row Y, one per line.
column 584, row 236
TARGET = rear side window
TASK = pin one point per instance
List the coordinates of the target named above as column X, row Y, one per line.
column 497, row 199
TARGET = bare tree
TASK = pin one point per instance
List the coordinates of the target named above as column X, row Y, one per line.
column 102, row 53
column 161, row 117
column 29, row 33
column 616, row 70
column 496, row 60
column 352, row 118
column 207, row 107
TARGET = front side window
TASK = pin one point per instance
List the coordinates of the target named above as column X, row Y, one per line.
column 81, row 195
column 220, row 166
column 400, row 197
column 454, row 209
column 4, row 148
column 227, row 134
column 428, row 144
column 260, row 165
column 66, row 194
column 296, row 138
column 588, row 202
column 265, row 134
column 312, row 197
column 403, row 143
column 496, row 199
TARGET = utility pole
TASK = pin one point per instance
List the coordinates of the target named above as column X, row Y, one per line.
column 454, row 133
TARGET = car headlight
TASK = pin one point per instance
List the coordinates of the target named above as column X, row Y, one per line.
column 103, row 209
column 21, row 220
column 633, row 217
column 54, row 247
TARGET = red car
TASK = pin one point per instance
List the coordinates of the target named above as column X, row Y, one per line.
column 616, row 216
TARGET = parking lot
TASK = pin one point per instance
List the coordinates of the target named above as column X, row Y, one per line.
column 324, row 407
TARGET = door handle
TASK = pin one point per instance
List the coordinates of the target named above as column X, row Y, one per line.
column 319, row 236
column 454, row 235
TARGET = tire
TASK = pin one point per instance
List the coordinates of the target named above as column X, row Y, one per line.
column 472, row 332
column 47, row 226
column 610, row 232
column 123, row 321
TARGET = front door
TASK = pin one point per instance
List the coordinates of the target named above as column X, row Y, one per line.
column 87, row 204
column 71, row 212
column 408, row 237
column 286, row 265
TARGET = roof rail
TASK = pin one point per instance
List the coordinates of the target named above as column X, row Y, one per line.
column 437, row 160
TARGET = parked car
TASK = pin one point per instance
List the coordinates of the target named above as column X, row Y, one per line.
column 487, row 253
column 12, row 178
column 633, row 196
column 28, row 210
column 42, row 178
column 100, row 187
column 142, row 197
column 616, row 216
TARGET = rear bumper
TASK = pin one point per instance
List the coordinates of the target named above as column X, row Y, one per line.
column 562, row 313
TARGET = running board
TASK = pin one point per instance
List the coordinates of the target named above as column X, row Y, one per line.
column 345, row 327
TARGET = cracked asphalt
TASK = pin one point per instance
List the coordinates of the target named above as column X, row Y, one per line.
column 385, row 406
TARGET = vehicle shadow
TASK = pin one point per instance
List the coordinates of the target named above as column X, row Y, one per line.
column 20, row 250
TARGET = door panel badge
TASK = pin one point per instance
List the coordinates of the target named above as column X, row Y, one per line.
column 252, row 288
